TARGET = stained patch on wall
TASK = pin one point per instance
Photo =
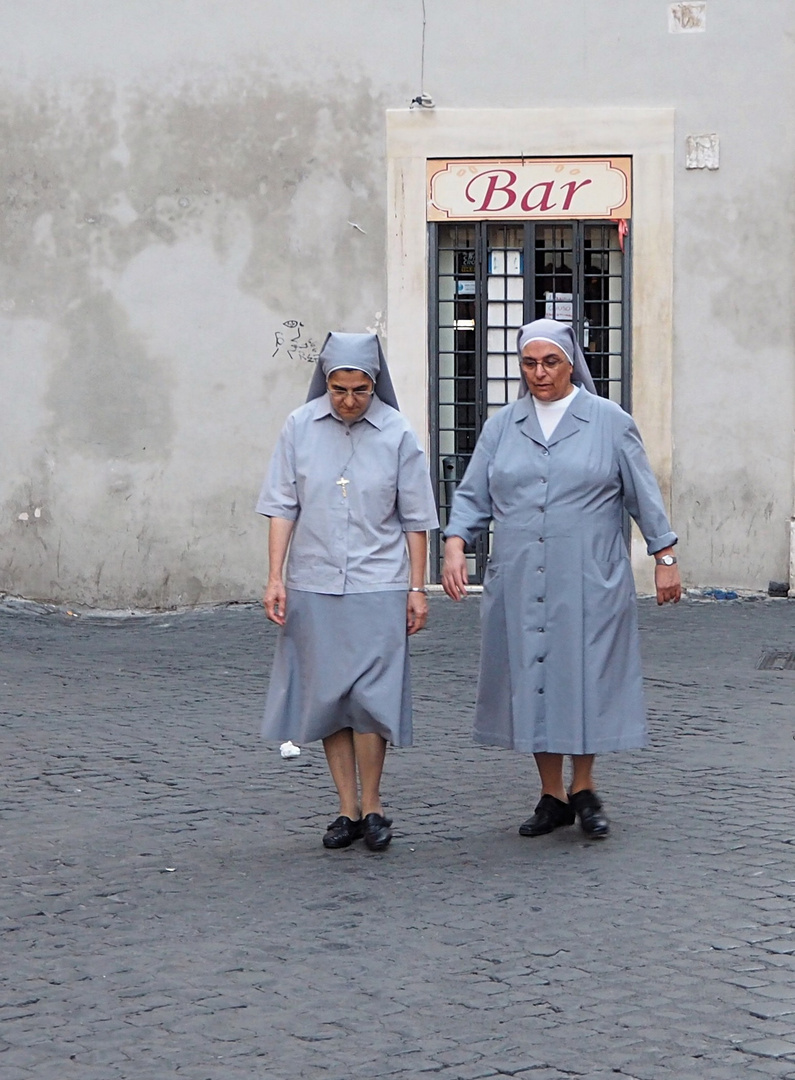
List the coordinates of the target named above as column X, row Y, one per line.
column 92, row 180
column 109, row 397
column 159, row 238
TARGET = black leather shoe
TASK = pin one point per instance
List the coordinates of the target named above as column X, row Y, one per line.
column 550, row 814
column 377, row 831
column 342, row 832
column 588, row 807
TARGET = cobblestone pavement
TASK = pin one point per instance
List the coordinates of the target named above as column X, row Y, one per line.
column 168, row 910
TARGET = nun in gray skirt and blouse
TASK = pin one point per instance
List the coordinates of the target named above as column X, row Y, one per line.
column 560, row 666
column 350, row 502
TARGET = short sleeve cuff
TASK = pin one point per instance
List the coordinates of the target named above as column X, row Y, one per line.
column 271, row 510
column 427, row 525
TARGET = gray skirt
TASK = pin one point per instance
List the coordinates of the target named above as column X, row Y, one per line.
column 341, row 662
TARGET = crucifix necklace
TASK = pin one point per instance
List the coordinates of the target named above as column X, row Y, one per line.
column 343, row 480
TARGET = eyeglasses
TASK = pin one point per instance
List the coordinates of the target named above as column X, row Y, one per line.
column 548, row 365
column 339, row 393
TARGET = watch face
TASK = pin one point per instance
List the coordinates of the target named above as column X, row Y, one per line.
column 667, row 560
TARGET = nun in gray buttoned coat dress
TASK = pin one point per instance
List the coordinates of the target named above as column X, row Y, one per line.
column 349, row 497
column 560, row 666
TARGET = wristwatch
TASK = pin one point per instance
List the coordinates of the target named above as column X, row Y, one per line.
column 665, row 560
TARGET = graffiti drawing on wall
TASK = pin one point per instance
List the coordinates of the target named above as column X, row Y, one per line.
column 291, row 341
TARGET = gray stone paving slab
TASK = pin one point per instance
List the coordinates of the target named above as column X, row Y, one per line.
column 167, row 908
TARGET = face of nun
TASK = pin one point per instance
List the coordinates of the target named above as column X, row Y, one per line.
column 350, row 392
column 546, row 371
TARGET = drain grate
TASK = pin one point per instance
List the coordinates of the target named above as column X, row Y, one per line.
column 777, row 660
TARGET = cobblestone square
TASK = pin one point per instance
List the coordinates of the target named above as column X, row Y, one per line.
column 168, row 909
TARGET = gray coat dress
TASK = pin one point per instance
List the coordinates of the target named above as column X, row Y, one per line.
column 560, row 660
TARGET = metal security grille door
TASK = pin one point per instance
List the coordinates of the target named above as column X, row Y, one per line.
column 487, row 280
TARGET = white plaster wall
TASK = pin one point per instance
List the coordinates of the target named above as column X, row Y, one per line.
column 173, row 195
column 178, row 181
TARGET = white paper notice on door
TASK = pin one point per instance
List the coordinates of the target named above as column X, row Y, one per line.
column 560, row 306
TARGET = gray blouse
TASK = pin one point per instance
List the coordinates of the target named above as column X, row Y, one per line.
column 352, row 491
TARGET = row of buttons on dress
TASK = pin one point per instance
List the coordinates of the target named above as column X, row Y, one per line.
column 347, row 436
column 540, row 659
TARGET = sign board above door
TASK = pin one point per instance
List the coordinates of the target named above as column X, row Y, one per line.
column 519, row 188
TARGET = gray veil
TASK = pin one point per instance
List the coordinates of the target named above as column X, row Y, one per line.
column 562, row 335
column 362, row 352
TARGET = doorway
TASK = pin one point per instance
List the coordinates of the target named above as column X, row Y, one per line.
column 486, row 280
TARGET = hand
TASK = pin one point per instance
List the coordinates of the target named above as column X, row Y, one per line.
column 275, row 601
column 668, row 584
column 416, row 612
column 455, row 575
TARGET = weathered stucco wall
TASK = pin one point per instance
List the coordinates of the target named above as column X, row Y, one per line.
column 157, row 236
column 180, row 181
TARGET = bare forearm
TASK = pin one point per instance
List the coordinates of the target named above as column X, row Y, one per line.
column 417, row 602
column 666, row 577
column 455, row 575
column 417, row 543
column 278, row 542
